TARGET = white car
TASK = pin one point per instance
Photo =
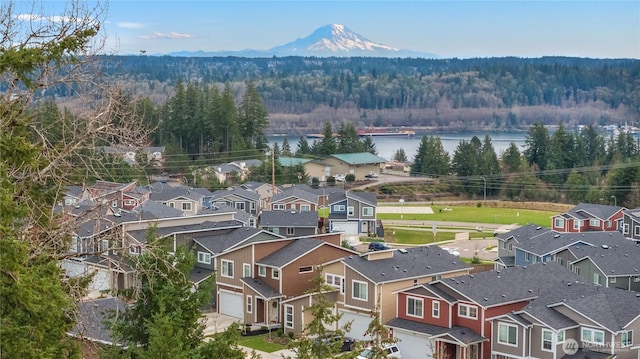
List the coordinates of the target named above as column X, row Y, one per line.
column 340, row 177
column 391, row 349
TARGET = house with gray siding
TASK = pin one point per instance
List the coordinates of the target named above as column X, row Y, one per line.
column 290, row 223
column 239, row 198
column 353, row 212
column 631, row 224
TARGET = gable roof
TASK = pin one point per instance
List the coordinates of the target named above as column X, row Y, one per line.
column 297, row 248
column 222, row 240
column 552, row 241
column 154, row 210
column 254, row 185
column 360, row 158
column 364, row 197
column 461, row 335
column 616, row 258
column 292, row 161
column 511, row 284
column 289, row 219
column 261, row 287
column 235, row 191
column 408, row 263
column 590, row 210
column 633, row 214
column 163, row 192
column 238, row 214
column 141, row 234
column 297, row 192
column 521, row 233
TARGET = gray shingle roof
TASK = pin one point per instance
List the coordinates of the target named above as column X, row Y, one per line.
column 413, row 263
column 617, row 258
column 140, row 234
column 197, row 275
column 252, row 185
column 431, row 291
column 90, row 320
column 238, row 214
column 236, row 191
column 163, row 192
column 463, row 335
column 365, row 197
column 155, row 210
column 524, row 232
column 261, row 287
column 222, row 240
column 551, row 241
column 587, row 354
column 289, row 219
column 297, row 192
column 510, row 284
column 590, row 210
column 291, row 251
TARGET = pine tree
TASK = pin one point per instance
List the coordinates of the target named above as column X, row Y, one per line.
column 400, row 156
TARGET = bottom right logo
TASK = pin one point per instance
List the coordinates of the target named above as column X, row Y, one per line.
column 570, row 347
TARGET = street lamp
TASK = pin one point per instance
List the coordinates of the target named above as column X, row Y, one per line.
column 484, row 198
column 615, row 201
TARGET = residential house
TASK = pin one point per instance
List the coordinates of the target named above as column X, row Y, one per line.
column 367, row 282
column 613, row 265
column 297, row 198
column 586, row 217
column 450, row 317
column 265, row 190
column 292, row 161
column 574, row 320
column 290, row 223
column 247, row 219
column 184, row 198
column 91, row 318
column 251, row 277
column 531, row 244
column 234, row 171
column 353, row 212
column 239, row 198
column 631, row 224
column 130, row 154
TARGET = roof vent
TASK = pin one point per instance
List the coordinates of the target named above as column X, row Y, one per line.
column 428, row 267
column 382, row 274
column 537, row 228
column 470, row 275
column 486, row 299
column 556, row 236
column 402, row 250
column 604, row 246
column 569, row 284
column 503, row 296
column 404, row 270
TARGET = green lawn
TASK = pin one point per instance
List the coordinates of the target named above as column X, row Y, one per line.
column 479, row 215
column 413, row 236
column 258, row 342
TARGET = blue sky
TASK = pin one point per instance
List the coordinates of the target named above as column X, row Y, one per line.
column 601, row 29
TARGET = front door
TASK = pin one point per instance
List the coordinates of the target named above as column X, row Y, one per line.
column 260, row 311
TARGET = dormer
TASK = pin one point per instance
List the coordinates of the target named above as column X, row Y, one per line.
column 377, row 255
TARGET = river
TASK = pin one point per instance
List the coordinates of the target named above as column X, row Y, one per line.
column 387, row 146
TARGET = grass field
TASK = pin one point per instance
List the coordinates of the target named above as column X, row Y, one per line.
column 258, row 342
column 415, row 236
column 478, row 215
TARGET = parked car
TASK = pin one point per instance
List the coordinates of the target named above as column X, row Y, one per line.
column 341, row 177
column 372, row 175
column 347, row 343
column 378, row 246
column 391, row 349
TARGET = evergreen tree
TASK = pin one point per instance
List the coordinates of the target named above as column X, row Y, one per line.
column 303, row 147
column 490, row 167
column 369, row 145
column 348, row 140
column 286, row 148
column 562, row 155
column 537, row 146
column 511, row 159
column 253, row 117
column 400, row 156
column 327, row 145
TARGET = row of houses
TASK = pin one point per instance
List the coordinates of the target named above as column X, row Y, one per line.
column 536, row 303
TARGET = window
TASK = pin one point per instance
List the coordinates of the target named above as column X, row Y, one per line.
column 278, row 207
column 305, row 208
column 612, row 280
column 249, row 304
column 560, row 261
column 288, row 316
column 172, row 205
column 527, row 257
column 467, row 311
column 414, row 307
column 359, row 290
column 547, row 340
column 305, row 269
column 507, row 334
column 186, row 206
column 239, row 205
column 367, row 211
column 246, row 270
column 625, row 228
column 351, row 211
column 607, row 223
column 636, row 230
column 560, row 337
column 103, row 246
column 227, row 268
column 204, row 257
column 335, row 281
column 592, row 336
column 262, row 271
column 576, row 224
column 253, row 206
column 626, row 338
column 252, row 222
column 275, row 230
column 338, row 207
column 510, row 247
column 558, row 223
column 597, row 279
column 435, row 309
column 275, row 274
column 594, row 222
column 129, row 202
column 290, row 231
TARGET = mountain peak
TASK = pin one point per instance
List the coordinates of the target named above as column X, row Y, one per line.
column 334, row 40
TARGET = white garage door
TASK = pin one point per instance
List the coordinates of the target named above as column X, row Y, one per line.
column 346, row 227
column 101, row 279
column 359, row 324
column 73, row 268
column 413, row 346
column 231, row 304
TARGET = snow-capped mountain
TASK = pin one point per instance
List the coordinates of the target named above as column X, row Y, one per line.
column 329, row 40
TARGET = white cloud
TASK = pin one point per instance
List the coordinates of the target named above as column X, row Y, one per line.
column 35, row 17
column 130, row 25
column 169, row 35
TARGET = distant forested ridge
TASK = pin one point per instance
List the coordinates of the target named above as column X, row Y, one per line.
column 301, row 93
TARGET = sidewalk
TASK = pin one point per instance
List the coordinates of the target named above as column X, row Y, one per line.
column 279, row 354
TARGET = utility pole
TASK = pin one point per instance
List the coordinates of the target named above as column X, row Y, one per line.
column 273, row 170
